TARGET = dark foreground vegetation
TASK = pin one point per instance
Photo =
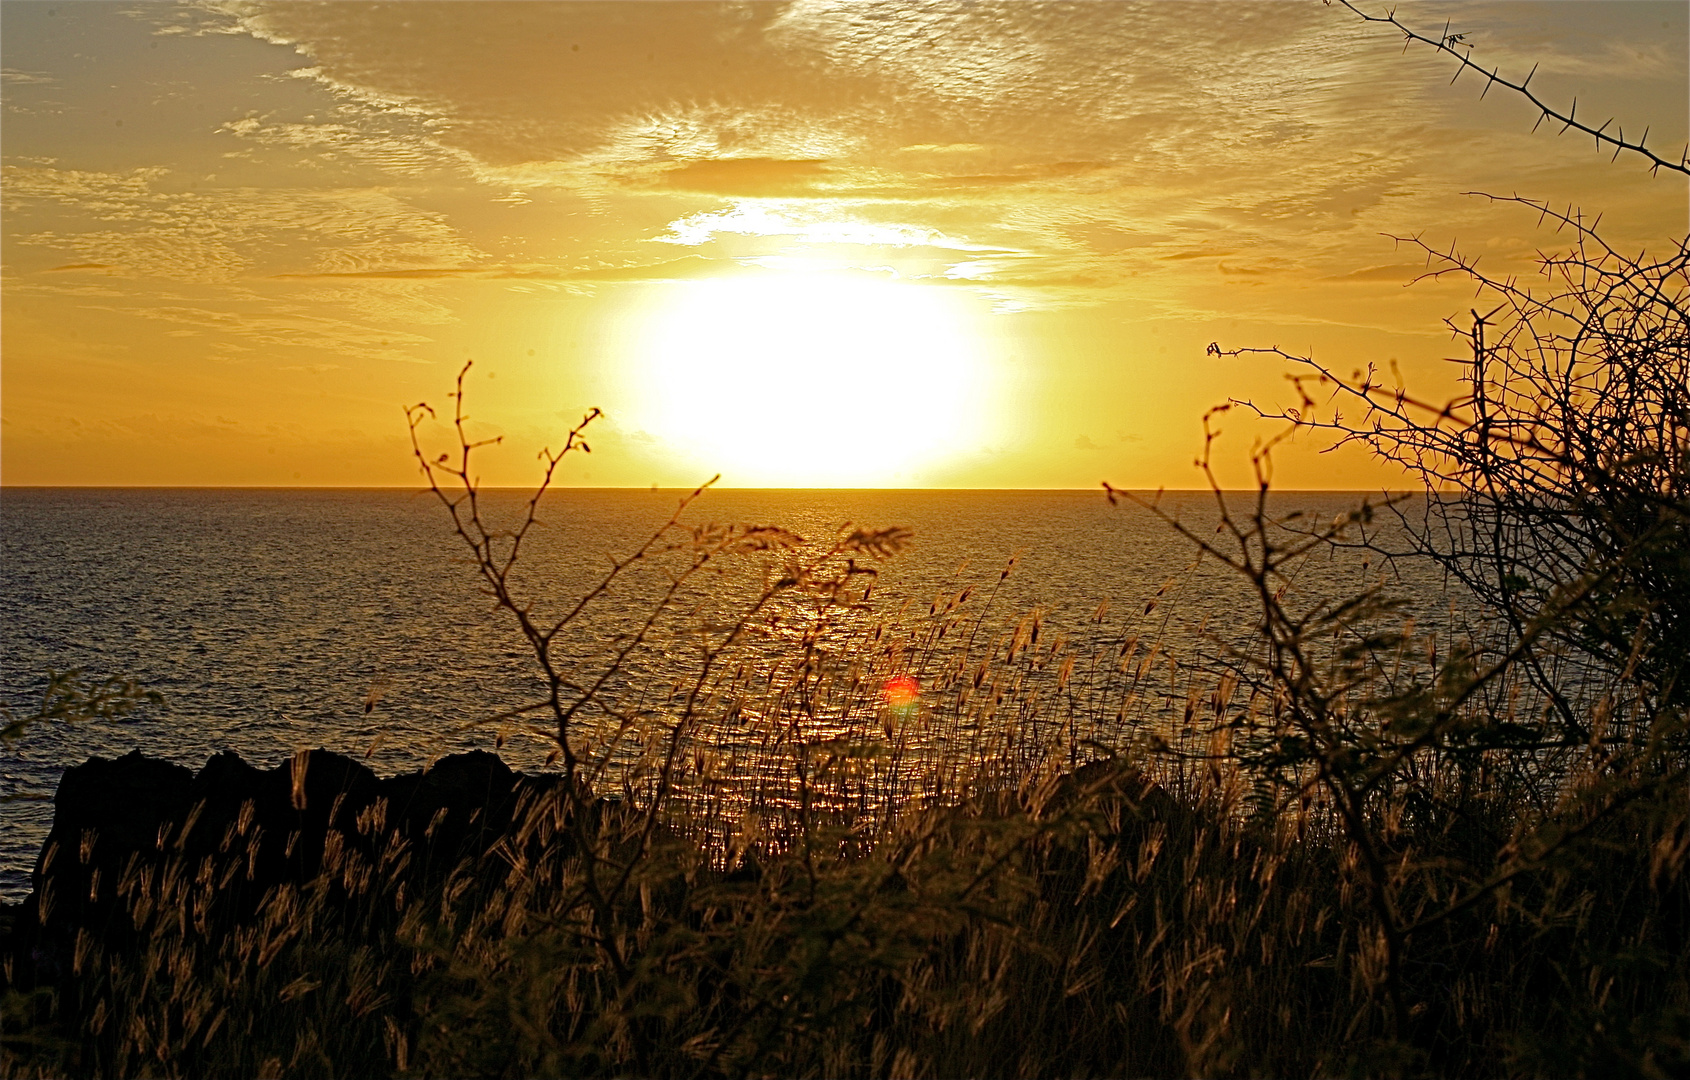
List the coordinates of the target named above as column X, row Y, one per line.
column 241, row 924
column 1344, row 844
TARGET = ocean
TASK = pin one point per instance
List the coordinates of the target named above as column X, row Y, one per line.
column 274, row 620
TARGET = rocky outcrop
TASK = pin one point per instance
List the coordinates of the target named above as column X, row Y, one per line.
column 239, row 832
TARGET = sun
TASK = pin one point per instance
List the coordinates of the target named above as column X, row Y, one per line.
column 783, row 379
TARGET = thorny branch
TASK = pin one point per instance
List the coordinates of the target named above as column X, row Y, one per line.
column 1457, row 46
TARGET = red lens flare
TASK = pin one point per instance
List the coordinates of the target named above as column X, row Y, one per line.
column 901, row 692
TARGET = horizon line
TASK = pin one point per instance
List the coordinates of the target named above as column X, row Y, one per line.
column 654, row 488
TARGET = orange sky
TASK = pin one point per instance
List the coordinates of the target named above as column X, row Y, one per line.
column 820, row 243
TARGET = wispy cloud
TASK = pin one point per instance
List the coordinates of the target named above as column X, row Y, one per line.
column 682, row 269
column 750, row 177
column 13, row 77
column 219, row 235
column 811, row 225
column 402, row 154
column 1043, row 129
column 273, row 330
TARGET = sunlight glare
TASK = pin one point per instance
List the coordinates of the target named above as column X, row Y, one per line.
column 817, row 379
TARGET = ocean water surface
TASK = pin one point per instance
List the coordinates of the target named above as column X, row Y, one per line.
column 278, row 620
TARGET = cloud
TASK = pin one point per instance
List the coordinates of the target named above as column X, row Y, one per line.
column 1180, row 255
column 421, row 273
column 815, row 225
column 1042, row 154
column 1586, row 44
column 98, row 194
column 150, row 251
column 691, row 266
column 1098, row 131
column 398, row 153
column 13, row 77
column 686, row 268
column 405, row 303
column 751, row 177
column 141, row 224
column 18, row 287
column 221, row 235
column 270, row 329
column 1400, row 272
column 950, row 51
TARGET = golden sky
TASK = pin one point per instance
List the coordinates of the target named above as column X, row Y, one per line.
column 826, row 242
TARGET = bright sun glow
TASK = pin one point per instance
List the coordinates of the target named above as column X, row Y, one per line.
column 812, row 379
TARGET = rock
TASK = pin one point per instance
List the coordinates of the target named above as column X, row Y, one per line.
column 1118, row 788
column 231, row 834
column 104, row 812
column 1112, row 786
